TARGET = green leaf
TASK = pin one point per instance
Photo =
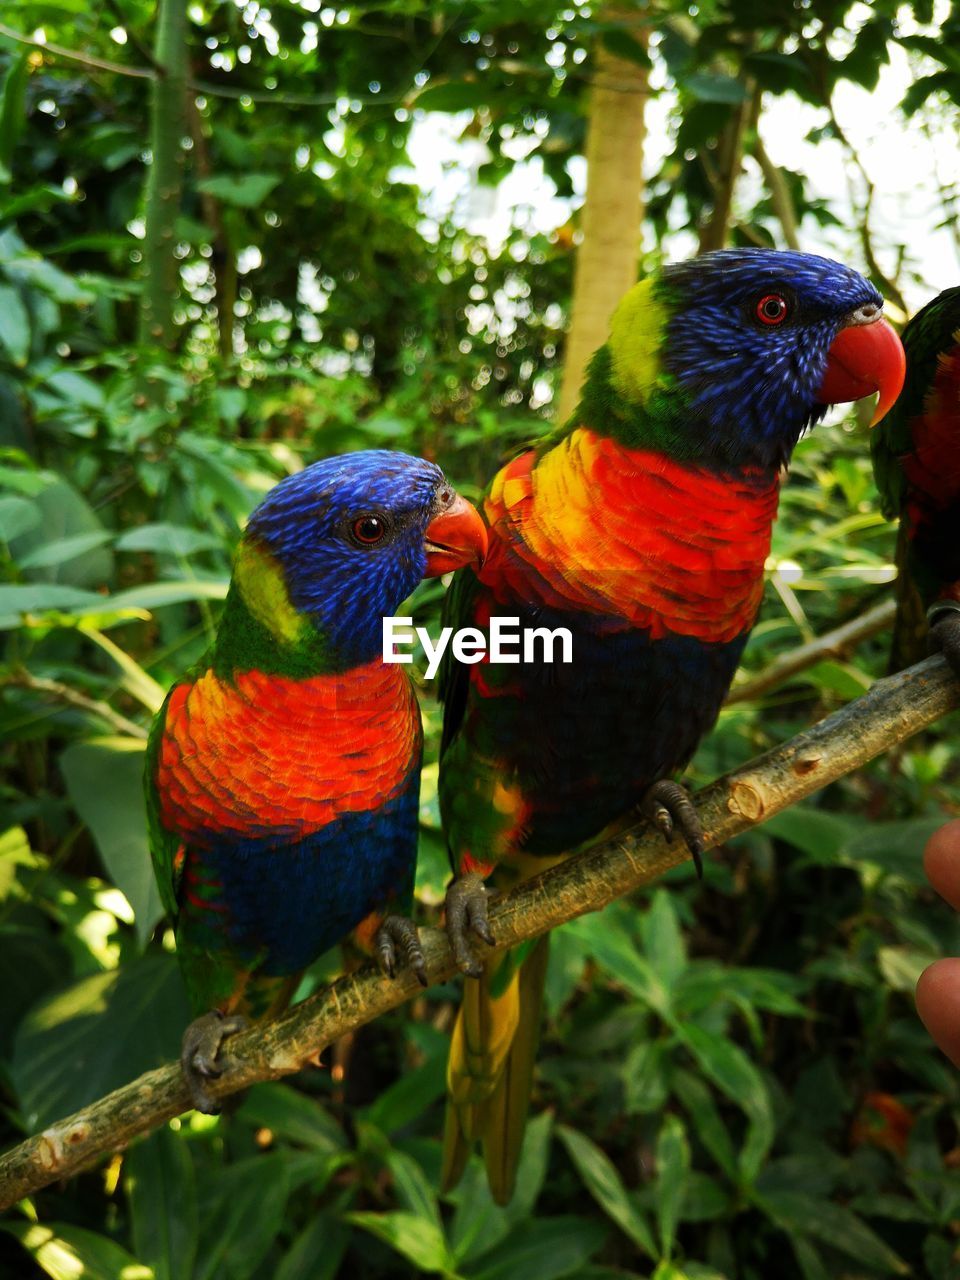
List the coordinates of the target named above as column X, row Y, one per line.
column 66, row 514
column 673, row 1166
column 14, row 325
column 409, row 1096
column 614, row 949
column 604, row 1183
column 543, row 1249
column 159, row 1181
column 32, row 962
column 12, row 113
column 63, row 550
column 156, row 595
column 414, row 1192
column 105, row 783
column 293, row 1116
column 317, row 1252
column 243, row 190
column 241, row 1215
column 167, row 540
column 833, row 1225
column 702, row 1110
column 732, row 1072
column 419, row 1240
column 454, row 95
column 66, row 1252
column 97, row 1034
column 894, row 847
column 715, row 88
column 17, row 515
column 663, row 941
column 818, row 834
column 646, row 1077
column 901, row 967
column 43, row 597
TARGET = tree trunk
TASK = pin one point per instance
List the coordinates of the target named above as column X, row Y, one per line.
column 606, row 263
column 165, row 177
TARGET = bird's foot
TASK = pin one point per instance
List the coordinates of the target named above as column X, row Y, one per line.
column 397, row 941
column 945, row 633
column 466, row 907
column 200, row 1055
column 668, row 806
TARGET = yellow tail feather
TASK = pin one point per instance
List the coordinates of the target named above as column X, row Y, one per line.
column 490, row 1069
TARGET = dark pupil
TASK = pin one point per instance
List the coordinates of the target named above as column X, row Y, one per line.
column 368, row 529
column 774, row 308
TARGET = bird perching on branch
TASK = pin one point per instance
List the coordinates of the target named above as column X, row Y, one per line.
column 642, row 525
column 916, row 460
column 283, row 773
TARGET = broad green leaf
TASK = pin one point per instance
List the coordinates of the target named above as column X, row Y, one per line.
column 673, row 1166
column 167, row 539
column 155, row 595
column 66, row 1252
column 42, row 597
column 14, row 325
column 12, row 113
column 241, row 1214
column 702, row 1110
column 159, row 1181
column 17, row 515
column 293, row 1116
column 409, row 1096
column 543, row 1249
column 833, row 1225
column 732, row 1072
column 604, row 1183
column 663, row 940
column 895, row 847
column 244, row 190
column 818, row 834
column 716, row 88
column 646, row 1077
column 317, row 1252
column 414, row 1192
column 620, row 957
column 99, row 1033
column 66, row 514
column 105, row 783
column 901, row 967
column 419, row 1240
column 32, row 962
column 454, row 95
column 63, row 550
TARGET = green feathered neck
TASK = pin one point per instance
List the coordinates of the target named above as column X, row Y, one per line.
column 627, row 394
column 260, row 630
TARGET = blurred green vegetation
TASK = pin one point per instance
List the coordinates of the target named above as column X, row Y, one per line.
column 733, row 1084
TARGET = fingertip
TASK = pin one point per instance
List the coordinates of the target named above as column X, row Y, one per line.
column 941, row 862
column 938, row 1004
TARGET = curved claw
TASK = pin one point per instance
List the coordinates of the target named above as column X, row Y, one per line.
column 467, row 905
column 396, row 935
column 200, row 1054
column 668, row 806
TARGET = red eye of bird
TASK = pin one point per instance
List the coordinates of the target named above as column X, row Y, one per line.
column 369, row 530
column 772, row 309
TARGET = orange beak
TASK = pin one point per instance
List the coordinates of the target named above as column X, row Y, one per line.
column 863, row 359
column 454, row 538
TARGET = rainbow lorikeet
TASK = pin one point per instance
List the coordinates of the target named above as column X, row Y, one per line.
column 283, row 772
column 916, row 460
column 642, row 526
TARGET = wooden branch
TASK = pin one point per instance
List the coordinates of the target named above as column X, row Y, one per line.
column 833, row 644
column 72, row 698
column 780, row 196
column 892, row 711
column 84, row 59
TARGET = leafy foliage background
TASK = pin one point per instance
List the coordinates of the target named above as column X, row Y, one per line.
column 733, row 1082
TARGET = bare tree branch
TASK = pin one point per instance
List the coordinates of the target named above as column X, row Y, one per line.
column 892, row 711
column 833, row 644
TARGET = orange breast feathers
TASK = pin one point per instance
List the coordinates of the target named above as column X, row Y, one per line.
column 598, row 527
column 261, row 756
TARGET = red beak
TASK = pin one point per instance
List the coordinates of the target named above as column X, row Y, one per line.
column 864, row 358
column 455, row 537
